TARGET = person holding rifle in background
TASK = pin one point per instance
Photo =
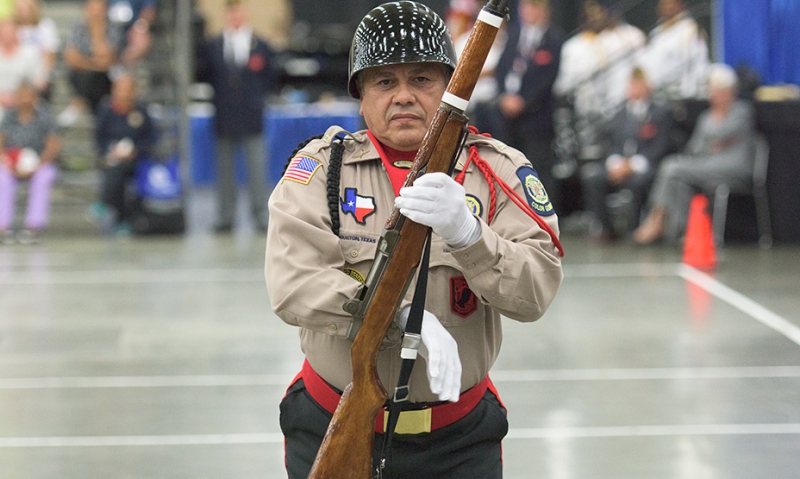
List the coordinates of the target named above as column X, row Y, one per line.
column 488, row 257
column 676, row 56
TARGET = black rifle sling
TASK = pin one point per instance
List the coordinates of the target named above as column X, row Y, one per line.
column 411, row 343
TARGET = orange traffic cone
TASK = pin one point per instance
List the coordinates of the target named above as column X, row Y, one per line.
column 699, row 249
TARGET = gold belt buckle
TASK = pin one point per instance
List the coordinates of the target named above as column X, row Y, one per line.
column 411, row 422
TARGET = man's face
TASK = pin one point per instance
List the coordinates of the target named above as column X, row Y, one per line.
column 638, row 90
column 596, row 15
column 399, row 101
column 26, row 97
column 123, row 92
column 532, row 13
column 8, row 33
column 96, row 9
column 236, row 17
column 669, row 8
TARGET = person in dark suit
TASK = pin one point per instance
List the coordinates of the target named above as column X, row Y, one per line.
column 125, row 134
column 525, row 75
column 640, row 136
column 239, row 65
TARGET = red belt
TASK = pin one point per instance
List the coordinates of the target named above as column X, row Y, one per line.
column 425, row 419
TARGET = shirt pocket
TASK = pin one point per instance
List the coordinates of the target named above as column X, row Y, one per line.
column 359, row 252
column 449, row 296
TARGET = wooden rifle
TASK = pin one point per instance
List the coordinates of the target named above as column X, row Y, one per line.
column 346, row 450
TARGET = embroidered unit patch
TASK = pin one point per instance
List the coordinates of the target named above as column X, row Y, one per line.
column 463, row 301
column 534, row 191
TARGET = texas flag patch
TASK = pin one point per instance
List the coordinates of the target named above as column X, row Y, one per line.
column 358, row 206
column 301, row 169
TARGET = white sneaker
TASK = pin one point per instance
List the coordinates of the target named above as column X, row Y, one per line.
column 7, row 237
column 69, row 116
column 28, row 236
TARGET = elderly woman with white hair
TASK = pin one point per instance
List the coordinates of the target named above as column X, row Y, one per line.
column 720, row 150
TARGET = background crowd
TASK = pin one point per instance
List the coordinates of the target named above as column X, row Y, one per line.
column 590, row 107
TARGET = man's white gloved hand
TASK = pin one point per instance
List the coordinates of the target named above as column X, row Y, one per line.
column 436, row 200
column 441, row 353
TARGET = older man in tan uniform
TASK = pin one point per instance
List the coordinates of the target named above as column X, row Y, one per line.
column 488, row 258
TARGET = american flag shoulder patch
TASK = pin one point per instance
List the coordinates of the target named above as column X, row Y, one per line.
column 301, row 169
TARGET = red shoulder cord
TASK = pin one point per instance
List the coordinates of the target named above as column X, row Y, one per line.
column 492, row 178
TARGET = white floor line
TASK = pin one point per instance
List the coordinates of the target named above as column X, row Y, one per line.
column 741, row 302
column 621, row 270
column 167, row 440
column 37, row 259
column 627, row 374
column 513, row 434
column 88, row 382
column 676, row 430
column 498, row 376
column 133, row 276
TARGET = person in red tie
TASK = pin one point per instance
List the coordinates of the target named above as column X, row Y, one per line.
column 239, row 65
column 641, row 134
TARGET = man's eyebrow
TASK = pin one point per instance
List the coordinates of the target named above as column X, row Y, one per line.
column 426, row 69
column 382, row 74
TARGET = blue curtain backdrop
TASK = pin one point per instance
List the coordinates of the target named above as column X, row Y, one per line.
column 764, row 34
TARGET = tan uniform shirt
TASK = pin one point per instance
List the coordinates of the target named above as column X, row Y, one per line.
column 513, row 269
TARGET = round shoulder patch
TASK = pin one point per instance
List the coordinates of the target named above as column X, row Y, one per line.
column 474, row 204
column 534, row 191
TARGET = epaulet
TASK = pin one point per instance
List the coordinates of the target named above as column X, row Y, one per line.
column 324, row 142
column 333, row 132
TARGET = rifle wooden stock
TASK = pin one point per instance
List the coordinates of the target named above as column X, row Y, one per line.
column 346, row 450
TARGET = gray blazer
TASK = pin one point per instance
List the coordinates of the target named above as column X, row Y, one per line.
column 726, row 148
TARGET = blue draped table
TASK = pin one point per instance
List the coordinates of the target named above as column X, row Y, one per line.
column 284, row 128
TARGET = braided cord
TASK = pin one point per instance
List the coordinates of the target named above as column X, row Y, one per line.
column 491, row 179
column 334, row 175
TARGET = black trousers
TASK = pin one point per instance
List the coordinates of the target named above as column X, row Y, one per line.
column 468, row 448
column 595, row 184
column 115, row 179
column 91, row 86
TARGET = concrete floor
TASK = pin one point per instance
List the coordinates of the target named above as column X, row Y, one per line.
column 160, row 358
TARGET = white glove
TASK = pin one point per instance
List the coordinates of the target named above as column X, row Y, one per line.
column 441, row 353
column 436, row 200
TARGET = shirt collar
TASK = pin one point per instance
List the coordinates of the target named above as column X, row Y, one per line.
column 364, row 149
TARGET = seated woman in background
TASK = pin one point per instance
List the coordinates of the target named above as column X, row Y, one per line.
column 719, row 151
column 30, row 144
column 125, row 134
column 18, row 63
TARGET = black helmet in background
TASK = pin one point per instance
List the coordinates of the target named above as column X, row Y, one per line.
column 399, row 32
